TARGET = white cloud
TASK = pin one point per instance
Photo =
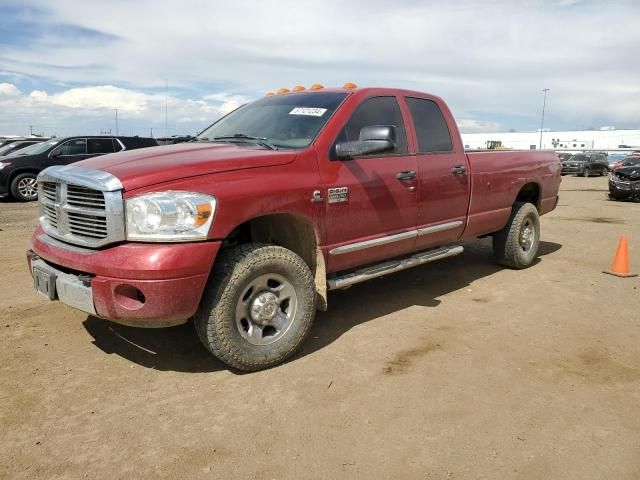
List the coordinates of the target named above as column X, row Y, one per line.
column 583, row 51
column 469, row 125
column 91, row 109
column 9, row 90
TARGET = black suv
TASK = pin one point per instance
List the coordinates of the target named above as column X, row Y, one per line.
column 18, row 172
column 585, row 164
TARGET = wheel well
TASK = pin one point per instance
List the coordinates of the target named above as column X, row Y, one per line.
column 530, row 193
column 290, row 231
column 15, row 173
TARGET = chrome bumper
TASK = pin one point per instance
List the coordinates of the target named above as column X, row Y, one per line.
column 70, row 290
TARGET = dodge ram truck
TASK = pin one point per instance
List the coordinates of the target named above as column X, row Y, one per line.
column 284, row 199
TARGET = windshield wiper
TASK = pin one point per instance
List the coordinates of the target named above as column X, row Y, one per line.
column 241, row 136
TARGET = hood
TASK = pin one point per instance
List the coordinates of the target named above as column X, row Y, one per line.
column 149, row 166
column 629, row 173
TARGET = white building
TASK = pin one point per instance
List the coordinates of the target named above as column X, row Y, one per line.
column 605, row 139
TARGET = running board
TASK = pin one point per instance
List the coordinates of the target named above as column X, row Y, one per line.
column 386, row 268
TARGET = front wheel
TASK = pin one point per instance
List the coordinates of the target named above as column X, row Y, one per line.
column 516, row 245
column 258, row 307
column 586, row 172
column 24, row 187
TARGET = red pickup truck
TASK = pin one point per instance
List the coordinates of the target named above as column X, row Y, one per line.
column 278, row 202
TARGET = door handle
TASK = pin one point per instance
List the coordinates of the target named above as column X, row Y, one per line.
column 459, row 170
column 406, row 175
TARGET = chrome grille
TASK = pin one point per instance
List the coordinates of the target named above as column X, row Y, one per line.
column 81, row 206
column 94, row 226
column 84, row 197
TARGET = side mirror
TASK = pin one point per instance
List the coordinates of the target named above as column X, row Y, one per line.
column 373, row 139
column 56, row 152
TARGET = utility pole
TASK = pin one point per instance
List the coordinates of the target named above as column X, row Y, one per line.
column 166, row 107
column 544, row 104
column 116, row 122
column 151, row 133
column 31, row 130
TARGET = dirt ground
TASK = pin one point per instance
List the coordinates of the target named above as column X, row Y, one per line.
column 457, row 369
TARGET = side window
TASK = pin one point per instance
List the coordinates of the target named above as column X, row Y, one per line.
column 74, row 147
column 99, row 145
column 431, row 127
column 376, row 111
column 117, row 145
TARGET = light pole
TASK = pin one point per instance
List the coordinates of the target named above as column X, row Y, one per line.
column 116, row 122
column 544, row 103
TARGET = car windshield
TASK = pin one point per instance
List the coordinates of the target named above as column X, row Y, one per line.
column 36, row 149
column 8, row 147
column 578, row 158
column 281, row 121
column 631, row 161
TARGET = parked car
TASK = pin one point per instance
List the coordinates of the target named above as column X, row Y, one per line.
column 13, row 147
column 624, row 182
column 614, row 158
column 627, row 161
column 586, row 164
column 18, row 171
column 564, row 156
column 282, row 200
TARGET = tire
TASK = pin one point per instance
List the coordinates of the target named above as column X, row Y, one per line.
column 586, row 172
column 24, row 187
column 604, row 172
column 512, row 246
column 233, row 321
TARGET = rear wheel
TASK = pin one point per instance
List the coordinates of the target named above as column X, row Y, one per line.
column 24, row 187
column 258, row 308
column 516, row 245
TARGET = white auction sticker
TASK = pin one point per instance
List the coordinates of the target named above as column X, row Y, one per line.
column 313, row 112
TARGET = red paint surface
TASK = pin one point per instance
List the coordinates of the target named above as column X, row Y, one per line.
column 250, row 183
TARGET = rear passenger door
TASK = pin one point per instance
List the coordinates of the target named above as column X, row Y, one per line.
column 443, row 174
column 99, row 146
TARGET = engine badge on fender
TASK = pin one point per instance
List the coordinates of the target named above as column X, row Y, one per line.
column 339, row 194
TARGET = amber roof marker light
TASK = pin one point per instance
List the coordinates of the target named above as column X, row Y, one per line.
column 298, row 88
column 269, row 94
column 350, row 86
column 316, row 86
column 282, row 91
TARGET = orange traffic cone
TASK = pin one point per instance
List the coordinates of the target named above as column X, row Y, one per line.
column 620, row 267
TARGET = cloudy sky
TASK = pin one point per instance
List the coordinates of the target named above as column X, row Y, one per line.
column 65, row 66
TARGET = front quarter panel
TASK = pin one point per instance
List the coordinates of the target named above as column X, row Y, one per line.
column 254, row 192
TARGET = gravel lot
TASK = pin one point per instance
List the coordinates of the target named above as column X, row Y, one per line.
column 457, row 369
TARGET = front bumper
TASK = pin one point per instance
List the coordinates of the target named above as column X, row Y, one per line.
column 571, row 169
column 137, row 284
column 624, row 189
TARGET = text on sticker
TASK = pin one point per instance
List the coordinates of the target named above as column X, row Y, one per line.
column 313, row 112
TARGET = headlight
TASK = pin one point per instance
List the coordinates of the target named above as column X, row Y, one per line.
column 4, row 164
column 169, row 216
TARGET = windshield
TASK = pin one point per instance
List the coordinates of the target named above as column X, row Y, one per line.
column 283, row 121
column 631, row 161
column 8, row 147
column 35, row 149
column 578, row 158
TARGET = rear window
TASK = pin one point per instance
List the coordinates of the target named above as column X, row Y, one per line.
column 431, row 127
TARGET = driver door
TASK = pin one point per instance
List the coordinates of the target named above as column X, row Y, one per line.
column 70, row 151
column 371, row 200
